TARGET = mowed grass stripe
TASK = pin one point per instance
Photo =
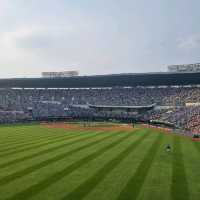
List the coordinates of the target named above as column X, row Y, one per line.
column 8, row 132
column 17, row 141
column 179, row 187
column 20, row 133
column 35, row 133
column 27, row 138
column 158, row 180
column 197, row 145
column 26, row 147
column 36, row 188
column 45, row 137
column 36, row 141
column 80, row 138
column 134, row 185
column 85, row 188
column 7, row 179
column 14, row 137
column 32, row 134
column 30, row 147
column 191, row 163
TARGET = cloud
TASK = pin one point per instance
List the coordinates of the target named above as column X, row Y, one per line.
column 190, row 42
column 94, row 37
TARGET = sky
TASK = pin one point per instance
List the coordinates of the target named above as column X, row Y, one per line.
column 97, row 36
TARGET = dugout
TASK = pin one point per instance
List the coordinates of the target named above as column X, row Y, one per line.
column 128, row 109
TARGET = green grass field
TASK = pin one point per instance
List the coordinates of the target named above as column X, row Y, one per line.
column 54, row 164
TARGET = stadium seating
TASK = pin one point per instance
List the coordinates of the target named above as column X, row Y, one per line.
column 177, row 105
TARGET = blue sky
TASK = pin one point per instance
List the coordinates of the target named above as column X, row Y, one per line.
column 97, row 36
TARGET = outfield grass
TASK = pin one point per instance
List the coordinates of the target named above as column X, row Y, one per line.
column 41, row 163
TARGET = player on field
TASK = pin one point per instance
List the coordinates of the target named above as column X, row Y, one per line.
column 168, row 148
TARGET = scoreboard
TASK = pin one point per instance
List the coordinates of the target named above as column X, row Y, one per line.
column 184, row 68
column 59, row 74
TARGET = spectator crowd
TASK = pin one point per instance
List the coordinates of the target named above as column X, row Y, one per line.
column 177, row 105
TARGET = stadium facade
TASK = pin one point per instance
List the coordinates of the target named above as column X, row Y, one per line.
column 115, row 80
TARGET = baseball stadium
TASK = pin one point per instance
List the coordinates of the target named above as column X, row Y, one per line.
column 103, row 137
column 99, row 100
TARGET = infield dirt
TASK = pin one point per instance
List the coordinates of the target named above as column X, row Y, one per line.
column 90, row 127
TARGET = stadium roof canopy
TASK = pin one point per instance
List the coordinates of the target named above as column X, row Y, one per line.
column 124, row 108
column 115, row 80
